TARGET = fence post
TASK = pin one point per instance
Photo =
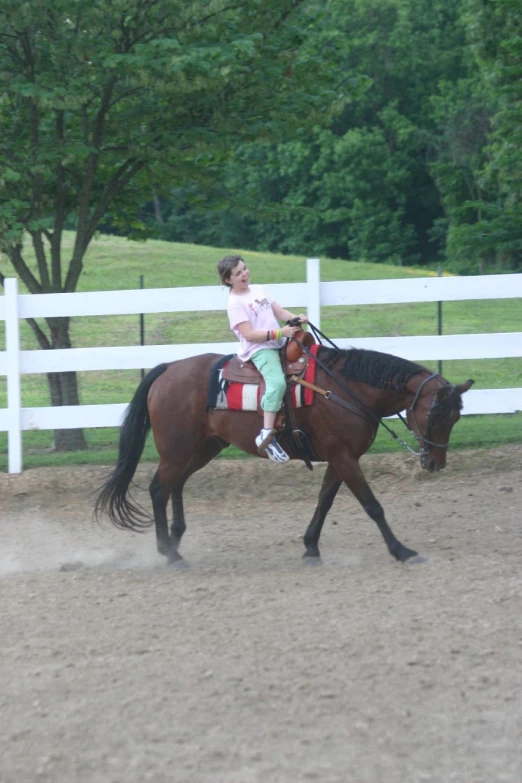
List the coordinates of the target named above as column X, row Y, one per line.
column 439, row 316
column 313, row 282
column 142, row 328
column 14, row 399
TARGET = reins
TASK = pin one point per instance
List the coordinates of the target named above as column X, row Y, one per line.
column 365, row 413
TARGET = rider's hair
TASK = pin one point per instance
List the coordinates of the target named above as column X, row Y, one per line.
column 225, row 267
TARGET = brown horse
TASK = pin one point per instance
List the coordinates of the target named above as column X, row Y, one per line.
column 364, row 386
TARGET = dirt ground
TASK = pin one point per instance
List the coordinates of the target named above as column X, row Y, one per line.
column 250, row 666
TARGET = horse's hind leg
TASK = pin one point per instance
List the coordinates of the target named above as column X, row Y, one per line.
column 160, row 490
column 166, row 478
column 329, row 488
column 204, row 454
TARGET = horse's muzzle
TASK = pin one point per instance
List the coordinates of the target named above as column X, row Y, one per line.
column 430, row 463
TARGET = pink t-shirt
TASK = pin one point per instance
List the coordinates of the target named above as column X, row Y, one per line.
column 255, row 307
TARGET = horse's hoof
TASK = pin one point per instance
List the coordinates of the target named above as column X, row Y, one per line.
column 415, row 559
column 312, row 560
column 402, row 553
column 72, row 566
column 178, row 563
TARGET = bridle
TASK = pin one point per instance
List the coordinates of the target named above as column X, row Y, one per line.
column 420, row 437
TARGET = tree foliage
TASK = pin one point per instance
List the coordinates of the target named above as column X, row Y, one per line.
column 423, row 166
column 495, row 38
column 102, row 101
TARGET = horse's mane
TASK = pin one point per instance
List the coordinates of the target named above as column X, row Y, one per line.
column 381, row 370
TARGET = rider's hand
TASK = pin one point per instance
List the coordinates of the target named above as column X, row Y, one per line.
column 303, row 318
column 289, row 331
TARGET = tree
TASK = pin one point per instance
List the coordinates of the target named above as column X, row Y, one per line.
column 462, row 114
column 103, row 100
column 477, row 162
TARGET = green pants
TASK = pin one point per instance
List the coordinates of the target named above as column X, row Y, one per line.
column 268, row 363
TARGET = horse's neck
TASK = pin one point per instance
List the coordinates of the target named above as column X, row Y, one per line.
column 415, row 388
column 387, row 402
column 382, row 402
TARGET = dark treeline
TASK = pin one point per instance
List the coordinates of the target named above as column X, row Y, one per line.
column 422, row 165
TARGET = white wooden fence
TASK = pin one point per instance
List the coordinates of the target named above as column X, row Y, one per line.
column 312, row 294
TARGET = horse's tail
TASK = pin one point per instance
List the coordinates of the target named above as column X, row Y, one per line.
column 114, row 499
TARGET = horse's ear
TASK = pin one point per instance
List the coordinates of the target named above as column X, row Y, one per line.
column 464, row 387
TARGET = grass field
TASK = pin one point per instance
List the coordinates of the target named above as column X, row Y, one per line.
column 113, row 263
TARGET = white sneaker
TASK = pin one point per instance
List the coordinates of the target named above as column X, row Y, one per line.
column 267, row 444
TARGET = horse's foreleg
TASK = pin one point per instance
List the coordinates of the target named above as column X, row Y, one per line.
column 329, row 488
column 352, row 475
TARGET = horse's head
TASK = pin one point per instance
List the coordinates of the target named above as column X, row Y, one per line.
column 432, row 415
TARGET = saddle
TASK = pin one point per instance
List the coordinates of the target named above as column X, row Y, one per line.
column 238, row 371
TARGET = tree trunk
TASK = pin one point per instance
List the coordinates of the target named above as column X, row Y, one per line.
column 63, row 388
column 157, row 208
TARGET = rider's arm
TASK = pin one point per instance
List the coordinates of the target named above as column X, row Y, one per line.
column 252, row 335
column 285, row 315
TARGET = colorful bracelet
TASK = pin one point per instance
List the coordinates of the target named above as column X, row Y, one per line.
column 276, row 334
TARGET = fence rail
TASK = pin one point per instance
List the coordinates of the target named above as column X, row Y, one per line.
column 311, row 295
